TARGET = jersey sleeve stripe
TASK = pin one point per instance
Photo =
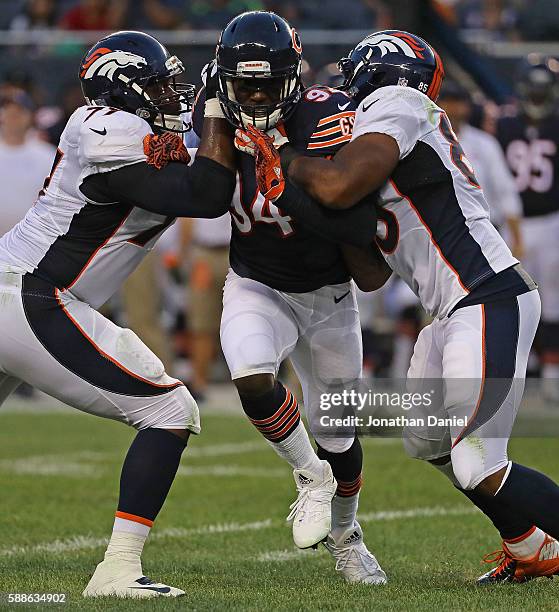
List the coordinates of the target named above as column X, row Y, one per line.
column 329, row 143
column 327, row 132
column 335, row 117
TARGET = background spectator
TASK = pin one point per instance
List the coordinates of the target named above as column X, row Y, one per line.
column 36, row 15
column 95, row 15
column 71, row 97
column 218, row 13
column 208, row 241
column 25, row 161
column 488, row 161
column 497, row 18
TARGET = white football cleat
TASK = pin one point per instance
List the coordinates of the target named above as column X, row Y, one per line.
column 311, row 512
column 353, row 560
column 118, row 578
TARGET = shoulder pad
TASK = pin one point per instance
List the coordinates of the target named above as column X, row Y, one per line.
column 401, row 100
column 111, row 137
column 322, row 121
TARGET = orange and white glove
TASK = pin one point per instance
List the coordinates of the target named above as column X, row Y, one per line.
column 244, row 143
column 269, row 175
column 160, row 149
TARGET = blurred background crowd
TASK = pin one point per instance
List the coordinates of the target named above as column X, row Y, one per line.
column 173, row 301
column 501, row 19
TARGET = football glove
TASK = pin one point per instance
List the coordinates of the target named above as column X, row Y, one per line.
column 160, row 149
column 245, row 144
column 269, row 174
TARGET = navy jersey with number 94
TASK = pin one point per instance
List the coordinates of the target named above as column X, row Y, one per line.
column 268, row 245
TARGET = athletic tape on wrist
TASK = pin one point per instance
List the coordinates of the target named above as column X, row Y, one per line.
column 212, row 108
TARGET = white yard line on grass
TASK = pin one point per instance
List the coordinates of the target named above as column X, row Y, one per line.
column 81, row 542
column 79, row 464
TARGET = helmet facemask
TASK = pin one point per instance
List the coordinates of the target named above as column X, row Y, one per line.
column 281, row 87
column 165, row 98
column 159, row 99
column 539, row 94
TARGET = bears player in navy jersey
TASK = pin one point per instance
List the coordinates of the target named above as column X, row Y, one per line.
column 530, row 140
column 435, row 232
column 288, row 293
column 119, row 179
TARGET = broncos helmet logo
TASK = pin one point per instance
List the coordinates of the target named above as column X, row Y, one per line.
column 105, row 62
column 392, row 43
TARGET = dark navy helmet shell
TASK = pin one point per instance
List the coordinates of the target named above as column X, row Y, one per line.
column 392, row 57
column 538, row 86
column 134, row 72
column 260, row 48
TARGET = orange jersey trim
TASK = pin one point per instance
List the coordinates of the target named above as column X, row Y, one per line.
column 329, row 143
column 92, row 256
column 327, row 132
column 433, row 241
column 334, row 117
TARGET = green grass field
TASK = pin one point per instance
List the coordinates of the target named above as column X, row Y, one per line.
column 221, row 535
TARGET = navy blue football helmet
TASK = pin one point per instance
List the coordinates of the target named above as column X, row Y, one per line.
column 134, row 72
column 538, row 86
column 263, row 51
column 392, row 57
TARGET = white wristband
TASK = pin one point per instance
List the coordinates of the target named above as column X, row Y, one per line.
column 212, row 108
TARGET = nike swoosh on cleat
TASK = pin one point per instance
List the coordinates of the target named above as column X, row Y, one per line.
column 337, row 300
column 101, row 133
column 366, row 108
column 343, row 106
column 156, row 589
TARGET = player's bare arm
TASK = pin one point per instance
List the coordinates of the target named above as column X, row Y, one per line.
column 367, row 266
column 360, row 168
column 355, row 227
column 217, row 136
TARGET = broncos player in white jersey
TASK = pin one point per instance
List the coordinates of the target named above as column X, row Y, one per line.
column 434, row 231
column 110, row 195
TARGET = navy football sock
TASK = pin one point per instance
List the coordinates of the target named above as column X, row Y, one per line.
column 509, row 523
column 533, row 495
column 346, row 467
column 275, row 414
column 148, row 472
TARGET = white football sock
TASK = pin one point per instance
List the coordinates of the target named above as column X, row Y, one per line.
column 127, row 540
column 297, row 450
column 344, row 511
column 528, row 545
